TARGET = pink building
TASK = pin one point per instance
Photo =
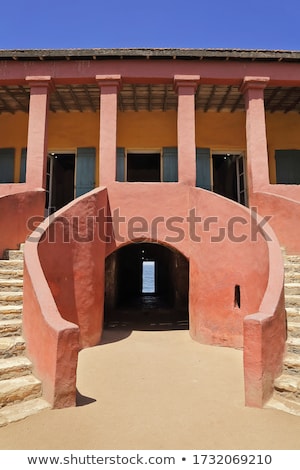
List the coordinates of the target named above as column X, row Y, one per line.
column 189, row 159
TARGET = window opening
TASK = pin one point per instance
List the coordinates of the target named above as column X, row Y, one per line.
column 237, row 296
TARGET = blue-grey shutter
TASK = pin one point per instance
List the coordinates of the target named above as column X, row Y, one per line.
column 7, row 165
column 170, row 164
column 120, row 166
column 23, row 165
column 85, row 170
column 203, row 168
column 287, row 166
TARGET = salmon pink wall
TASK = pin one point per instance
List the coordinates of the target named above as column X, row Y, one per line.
column 64, row 295
column 265, row 332
column 72, row 291
column 242, row 257
column 283, row 213
column 72, row 256
column 215, row 266
column 15, row 212
column 51, row 342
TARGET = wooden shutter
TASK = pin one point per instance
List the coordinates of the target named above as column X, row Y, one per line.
column 203, row 168
column 120, row 167
column 287, row 166
column 170, row 164
column 85, row 170
column 7, row 165
column 23, row 165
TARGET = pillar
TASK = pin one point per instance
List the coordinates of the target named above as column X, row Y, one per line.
column 109, row 86
column 37, row 140
column 257, row 151
column 185, row 87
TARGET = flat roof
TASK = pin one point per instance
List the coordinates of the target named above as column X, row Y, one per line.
column 151, row 53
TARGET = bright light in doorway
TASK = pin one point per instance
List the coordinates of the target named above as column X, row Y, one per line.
column 148, row 277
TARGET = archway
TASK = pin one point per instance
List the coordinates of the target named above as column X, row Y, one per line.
column 147, row 286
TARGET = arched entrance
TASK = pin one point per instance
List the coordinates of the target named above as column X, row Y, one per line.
column 147, row 286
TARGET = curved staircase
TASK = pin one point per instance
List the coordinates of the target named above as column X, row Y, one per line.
column 286, row 395
column 20, row 391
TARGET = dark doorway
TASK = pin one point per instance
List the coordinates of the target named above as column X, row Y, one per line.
column 229, row 176
column 143, row 167
column 162, row 302
column 60, row 180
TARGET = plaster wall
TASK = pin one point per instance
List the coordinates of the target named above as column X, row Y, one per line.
column 217, row 131
column 282, row 133
column 23, row 205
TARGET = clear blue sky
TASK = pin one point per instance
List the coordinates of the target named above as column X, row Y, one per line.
column 240, row 24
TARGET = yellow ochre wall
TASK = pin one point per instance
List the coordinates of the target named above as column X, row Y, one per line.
column 221, row 131
column 13, row 134
column 156, row 129
column 283, row 132
column 144, row 129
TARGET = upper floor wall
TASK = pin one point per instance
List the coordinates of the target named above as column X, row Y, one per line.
column 148, row 97
column 218, row 131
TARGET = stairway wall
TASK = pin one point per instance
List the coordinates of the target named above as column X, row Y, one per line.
column 18, row 212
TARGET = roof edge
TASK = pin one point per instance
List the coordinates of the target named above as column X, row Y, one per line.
column 150, row 53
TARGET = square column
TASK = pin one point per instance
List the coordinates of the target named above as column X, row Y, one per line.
column 109, row 87
column 185, row 86
column 257, row 151
column 37, row 139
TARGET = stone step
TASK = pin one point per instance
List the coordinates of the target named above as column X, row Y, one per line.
column 11, row 327
column 14, row 254
column 292, row 313
column 10, row 311
column 11, row 273
column 281, row 403
column 292, row 288
column 287, row 383
column 292, row 300
column 21, row 247
column 291, row 267
column 292, row 276
column 292, row 258
column 14, row 367
column 11, row 346
column 18, row 389
column 8, row 285
column 293, row 345
column 12, row 413
column 11, row 298
column 11, row 264
column 291, row 363
column 293, row 329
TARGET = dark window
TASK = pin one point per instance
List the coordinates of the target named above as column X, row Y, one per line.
column 7, row 165
column 287, row 166
column 143, row 167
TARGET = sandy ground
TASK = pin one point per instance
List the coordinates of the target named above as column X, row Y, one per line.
column 156, row 390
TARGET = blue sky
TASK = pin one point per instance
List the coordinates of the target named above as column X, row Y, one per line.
column 239, row 24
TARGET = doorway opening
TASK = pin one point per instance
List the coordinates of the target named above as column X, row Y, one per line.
column 144, row 167
column 229, row 176
column 60, row 180
column 147, row 286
